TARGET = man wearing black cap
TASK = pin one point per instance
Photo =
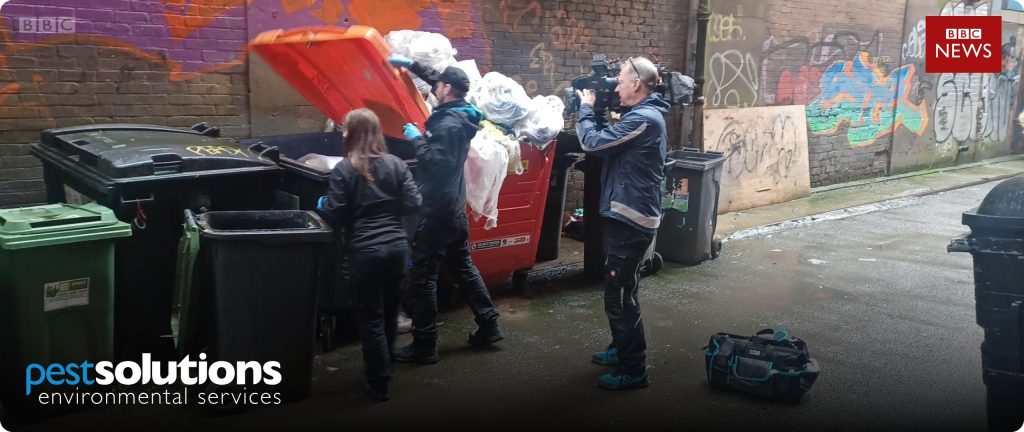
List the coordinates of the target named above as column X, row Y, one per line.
column 442, row 236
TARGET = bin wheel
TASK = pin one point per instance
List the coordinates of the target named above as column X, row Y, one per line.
column 652, row 266
column 716, row 248
column 519, row 280
column 657, row 262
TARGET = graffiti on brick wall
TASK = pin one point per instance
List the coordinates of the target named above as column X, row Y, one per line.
column 732, row 79
column 552, row 59
column 188, row 37
column 570, row 34
column 733, row 61
column 860, row 95
column 724, row 28
column 913, row 47
column 791, row 70
column 459, row 21
column 514, row 13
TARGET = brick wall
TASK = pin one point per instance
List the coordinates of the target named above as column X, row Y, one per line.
column 545, row 44
column 176, row 63
column 858, row 68
column 796, row 52
column 139, row 61
column 846, row 29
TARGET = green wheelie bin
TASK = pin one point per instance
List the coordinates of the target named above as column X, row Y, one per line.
column 56, row 290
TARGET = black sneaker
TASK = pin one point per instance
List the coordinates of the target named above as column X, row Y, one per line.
column 486, row 335
column 378, row 391
column 413, row 353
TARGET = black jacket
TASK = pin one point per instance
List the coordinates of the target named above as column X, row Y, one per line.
column 441, row 157
column 371, row 211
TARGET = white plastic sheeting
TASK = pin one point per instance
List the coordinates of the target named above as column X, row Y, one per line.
column 485, row 172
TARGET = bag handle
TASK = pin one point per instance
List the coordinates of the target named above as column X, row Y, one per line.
column 777, row 337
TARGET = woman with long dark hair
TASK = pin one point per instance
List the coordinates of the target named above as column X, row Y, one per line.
column 368, row 194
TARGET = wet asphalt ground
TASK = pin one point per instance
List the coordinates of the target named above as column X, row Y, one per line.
column 888, row 314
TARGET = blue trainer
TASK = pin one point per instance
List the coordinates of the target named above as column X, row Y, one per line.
column 617, row 381
column 608, row 357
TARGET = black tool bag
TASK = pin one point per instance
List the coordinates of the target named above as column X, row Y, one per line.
column 770, row 364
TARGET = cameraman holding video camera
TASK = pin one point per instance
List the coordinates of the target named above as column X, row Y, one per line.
column 633, row 153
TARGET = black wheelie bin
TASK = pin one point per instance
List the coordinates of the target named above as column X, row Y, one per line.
column 148, row 175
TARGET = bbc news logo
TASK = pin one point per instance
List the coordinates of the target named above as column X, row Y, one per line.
column 962, row 44
column 50, row 25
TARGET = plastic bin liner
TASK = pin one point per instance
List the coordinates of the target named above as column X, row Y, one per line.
column 471, row 70
column 485, row 172
column 544, row 121
column 321, row 162
column 430, row 49
column 503, row 100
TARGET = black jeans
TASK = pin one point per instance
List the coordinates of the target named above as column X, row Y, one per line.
column 376, row 274
column 624, row 253
column 438, row 242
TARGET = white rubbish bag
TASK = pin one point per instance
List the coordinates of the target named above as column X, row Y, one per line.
column 544, row 121
column 501, row 98
column 427, row 49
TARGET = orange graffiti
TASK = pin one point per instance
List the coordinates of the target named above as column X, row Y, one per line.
column 511, row 18
column 292, row 6
column 330, row 12
column 7, row 91
column 456, row 17
column 570, row 35
column 195, row 15
column 174, row 68
column 388, row 16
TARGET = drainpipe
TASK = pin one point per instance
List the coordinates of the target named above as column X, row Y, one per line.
column 697, row 131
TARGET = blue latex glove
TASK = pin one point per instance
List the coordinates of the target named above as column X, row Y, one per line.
column 411, row 132
column 320, row 203
column 397, row 60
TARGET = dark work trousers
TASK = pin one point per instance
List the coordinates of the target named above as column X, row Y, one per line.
column 376, row 274
column 624, row 253
column 444, row 242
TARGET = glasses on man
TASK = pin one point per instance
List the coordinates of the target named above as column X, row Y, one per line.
column 635, row 70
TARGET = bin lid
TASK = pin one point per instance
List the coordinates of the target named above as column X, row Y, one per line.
column 55, row 224
column 267, row 226
column 123, row 151
column 693, row 159
column 339, row 70
column 1002, row 208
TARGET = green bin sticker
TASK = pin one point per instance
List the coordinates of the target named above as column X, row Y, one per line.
column 63, row 294
column 677, row 194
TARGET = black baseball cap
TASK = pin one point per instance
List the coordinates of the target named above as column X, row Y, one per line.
column 456, row 77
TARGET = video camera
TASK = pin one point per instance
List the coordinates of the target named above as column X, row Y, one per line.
column 674, row 87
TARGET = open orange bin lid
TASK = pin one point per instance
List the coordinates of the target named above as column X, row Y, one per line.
column 339, row 70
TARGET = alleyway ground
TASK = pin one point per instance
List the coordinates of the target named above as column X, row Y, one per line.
column 886, row 311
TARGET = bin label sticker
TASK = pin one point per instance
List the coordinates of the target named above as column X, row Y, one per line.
column 63, row 294
column 500, row 243
column 677, row 194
